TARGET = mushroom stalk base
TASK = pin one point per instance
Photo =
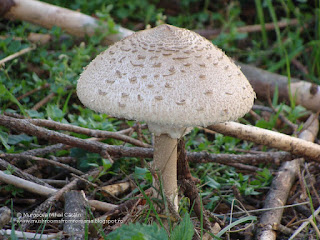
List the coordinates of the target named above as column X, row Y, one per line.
column 165, row 164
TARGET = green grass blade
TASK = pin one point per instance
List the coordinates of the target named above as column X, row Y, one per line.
column 238, row 222
column 283, row 50
column 262, row 23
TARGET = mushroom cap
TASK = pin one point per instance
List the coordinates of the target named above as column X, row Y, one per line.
column 169, row 77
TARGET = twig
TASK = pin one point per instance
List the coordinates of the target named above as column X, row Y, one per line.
column 285, row 230
column 46, row 150
column 16, row 171
column 256, row 211
column 44, row 86
column 244, row 167
column 5, row 216
column 102, row 206
column 269, row 138
column 300, row 66
column 306, row 94
column 27, row 185
column 93, row 133
column 212, row 33
column 17, row 54
column 28, row 157
column 43, row 101
column 55, row 182
column 75, row 208
column 303, row 225
column 315, row 227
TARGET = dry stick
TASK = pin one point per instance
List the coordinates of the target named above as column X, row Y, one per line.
column 44, row 86
column 27, row 185
column 306, row 94
column 55, row 182
column 43, row 101
column 96, row 186
column 75, row 207
column 5, row 216
column 45, row 150
column 16, row 171
column 58, row 164
column 212, row 33
column 306, row 223
column 281, row 186
column 269, row 138
column 250, row 159
column 93, row 133
column 47, row 15
column 17, row 54
column 245, row 167
column 102, row 206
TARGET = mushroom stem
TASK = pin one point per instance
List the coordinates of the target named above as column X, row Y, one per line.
column 165, row 163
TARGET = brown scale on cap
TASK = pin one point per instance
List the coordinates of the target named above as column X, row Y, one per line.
column 133, row 79
column 102, row 93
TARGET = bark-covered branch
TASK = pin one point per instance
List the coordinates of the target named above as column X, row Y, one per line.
column 269, row 138
column 48, row 15
column 305, row 93
column 89, row 132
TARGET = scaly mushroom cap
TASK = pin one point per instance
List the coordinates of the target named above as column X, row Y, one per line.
column 169, row 77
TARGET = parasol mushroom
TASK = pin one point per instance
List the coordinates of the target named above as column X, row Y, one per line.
column 171, row 78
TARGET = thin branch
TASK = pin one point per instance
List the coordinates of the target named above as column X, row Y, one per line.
column 44, row 86
column 43, row 101
column 269, row 138
column 28, row 157
column 17, row 54
column 212, row 33
column 16, row 171
column 306, row 223
column 93, row 133
column 27, row 185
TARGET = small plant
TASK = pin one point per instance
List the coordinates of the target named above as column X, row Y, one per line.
column 136, row 231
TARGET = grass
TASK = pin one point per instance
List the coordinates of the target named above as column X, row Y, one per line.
column 60, row 62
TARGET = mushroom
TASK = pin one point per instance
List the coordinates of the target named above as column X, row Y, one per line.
column 171, row 78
